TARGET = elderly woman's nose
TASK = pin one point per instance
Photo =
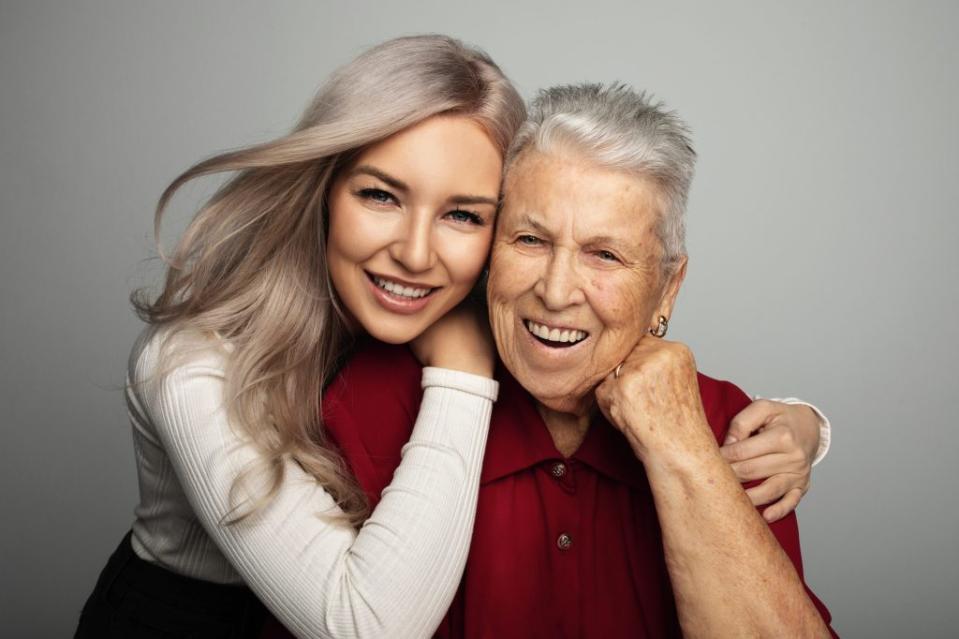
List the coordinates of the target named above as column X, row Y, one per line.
column 413, row 247
column 560, row 284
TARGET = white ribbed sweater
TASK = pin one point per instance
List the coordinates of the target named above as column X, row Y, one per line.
column 394, row 578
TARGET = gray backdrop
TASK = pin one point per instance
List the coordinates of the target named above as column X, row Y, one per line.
column 822, row 225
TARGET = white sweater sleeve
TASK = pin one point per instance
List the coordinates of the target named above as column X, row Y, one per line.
column 398, row 575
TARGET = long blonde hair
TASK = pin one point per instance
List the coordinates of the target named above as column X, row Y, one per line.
column 251, row 265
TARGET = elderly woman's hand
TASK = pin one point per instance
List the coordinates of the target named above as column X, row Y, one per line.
column 776, row 442
column 655, row 401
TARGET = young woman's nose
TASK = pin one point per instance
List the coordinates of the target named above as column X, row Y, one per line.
column 413, row 249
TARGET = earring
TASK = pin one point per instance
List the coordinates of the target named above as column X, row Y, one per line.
column 661, row 328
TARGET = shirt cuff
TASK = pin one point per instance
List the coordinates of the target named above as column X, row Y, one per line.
column 825, row 428
column 484, row 387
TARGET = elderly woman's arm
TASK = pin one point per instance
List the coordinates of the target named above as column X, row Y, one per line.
column 730, row 576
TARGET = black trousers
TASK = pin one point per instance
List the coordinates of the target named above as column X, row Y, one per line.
column 134, row 598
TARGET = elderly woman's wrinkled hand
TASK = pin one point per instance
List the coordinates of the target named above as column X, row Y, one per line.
column 654, row 400
column 776, row 442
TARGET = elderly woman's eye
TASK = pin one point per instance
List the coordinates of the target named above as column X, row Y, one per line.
column 376, row 195
column 528, row 240
column 607, row 256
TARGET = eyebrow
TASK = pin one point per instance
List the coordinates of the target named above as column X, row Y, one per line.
column 400, row 185
column 529, row 221
column 474, row 199
column 609, row 240
column 366, row 169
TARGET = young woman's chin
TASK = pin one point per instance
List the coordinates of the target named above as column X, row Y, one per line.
column 401, row 327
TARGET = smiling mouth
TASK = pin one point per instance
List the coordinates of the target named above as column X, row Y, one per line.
column 399, row 290
column 555, row 337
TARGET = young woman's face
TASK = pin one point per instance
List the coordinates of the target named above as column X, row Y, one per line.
column 411, row 221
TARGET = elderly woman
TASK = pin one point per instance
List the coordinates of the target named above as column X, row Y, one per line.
column 587, row 262
column 605, row 507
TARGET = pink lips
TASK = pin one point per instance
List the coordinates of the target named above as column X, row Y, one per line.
column 398, row 303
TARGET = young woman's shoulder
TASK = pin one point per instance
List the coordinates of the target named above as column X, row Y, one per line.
column 170, row 372
column 160, row 351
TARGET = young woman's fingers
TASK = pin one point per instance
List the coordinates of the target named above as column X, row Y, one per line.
column 773, row 439
column 750, row 419
column 750, row 448
column 784, row 506
column 776, row 487
column 767, row 466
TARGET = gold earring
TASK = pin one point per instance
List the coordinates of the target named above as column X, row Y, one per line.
column 661, row 328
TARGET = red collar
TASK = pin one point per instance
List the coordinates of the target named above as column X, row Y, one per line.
column 519, row 440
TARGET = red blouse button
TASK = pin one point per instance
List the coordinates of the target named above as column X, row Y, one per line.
column 564, row 541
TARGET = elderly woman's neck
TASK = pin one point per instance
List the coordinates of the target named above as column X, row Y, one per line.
column 567, row 427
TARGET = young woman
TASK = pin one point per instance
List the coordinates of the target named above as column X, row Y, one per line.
column 372, row 218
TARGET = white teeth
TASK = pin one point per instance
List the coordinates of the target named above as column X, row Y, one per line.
column 555, row 335
column 399, row 289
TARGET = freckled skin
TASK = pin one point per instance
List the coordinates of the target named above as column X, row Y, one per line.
column 729, row 576
column 564, row 279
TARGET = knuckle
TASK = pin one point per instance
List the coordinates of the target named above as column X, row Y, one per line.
column 766, row 404
column 796, row 460
column 737, row 425
column 785, row 439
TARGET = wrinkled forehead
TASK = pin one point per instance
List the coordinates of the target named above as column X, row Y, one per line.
column 568, row 191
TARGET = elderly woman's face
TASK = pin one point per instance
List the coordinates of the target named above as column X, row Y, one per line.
column 575, row 280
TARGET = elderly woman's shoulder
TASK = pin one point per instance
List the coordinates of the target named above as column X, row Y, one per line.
column 722, row 400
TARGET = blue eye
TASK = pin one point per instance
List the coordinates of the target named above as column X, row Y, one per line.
column 377, row 195
column 465, row 217
column 528, row 240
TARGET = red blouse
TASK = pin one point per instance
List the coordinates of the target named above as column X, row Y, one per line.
column 562, row 546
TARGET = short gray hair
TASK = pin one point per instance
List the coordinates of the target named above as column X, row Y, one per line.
column 622, row 129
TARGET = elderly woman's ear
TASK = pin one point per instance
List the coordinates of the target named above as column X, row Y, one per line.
column 671, row 291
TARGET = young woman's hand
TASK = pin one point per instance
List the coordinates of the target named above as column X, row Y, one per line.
column 776, row 442
column 460, row 340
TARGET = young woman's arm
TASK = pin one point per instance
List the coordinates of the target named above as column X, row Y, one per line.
column 398, row 574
